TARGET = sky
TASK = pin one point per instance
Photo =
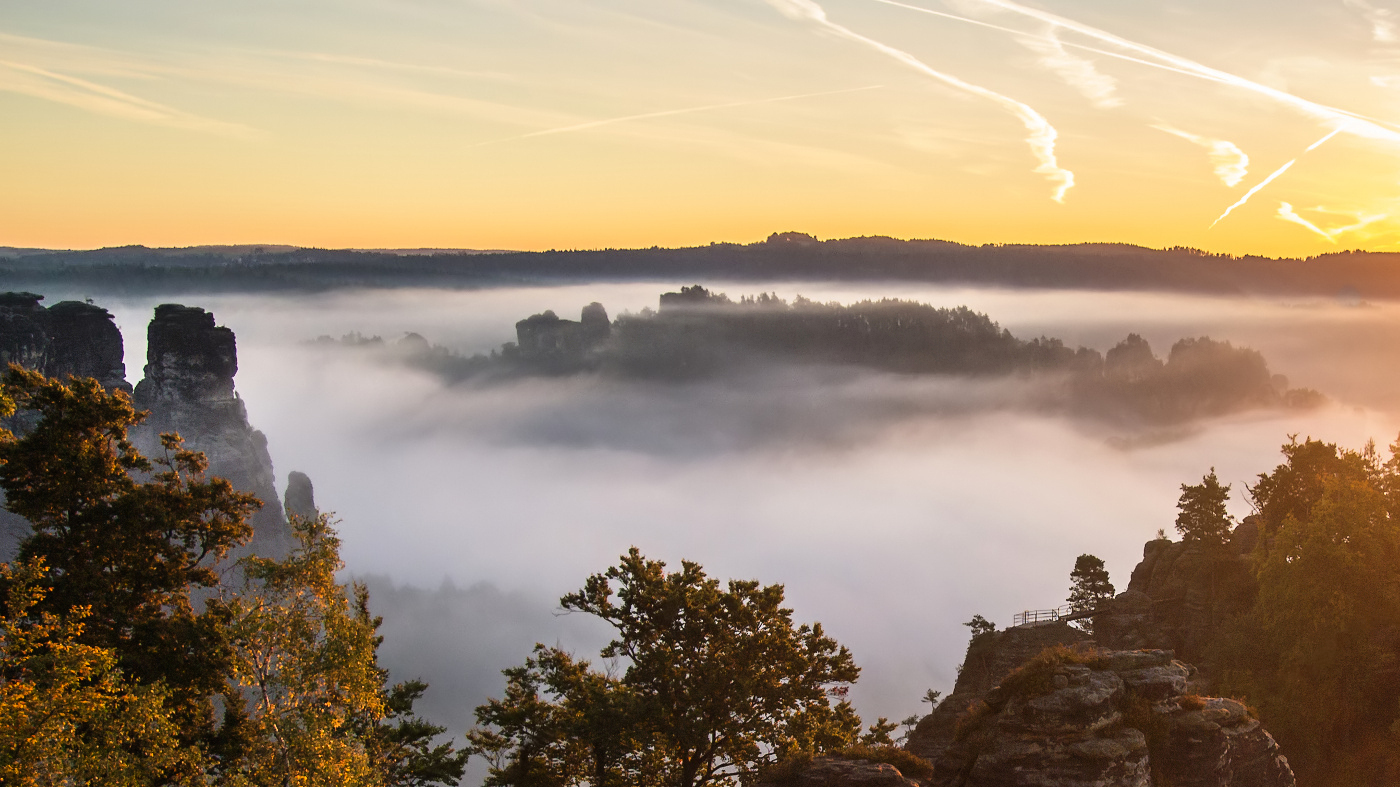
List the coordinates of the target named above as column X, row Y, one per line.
column 1242, row 126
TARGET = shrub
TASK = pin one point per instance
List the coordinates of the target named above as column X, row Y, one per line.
column 1036, row 676
column 911, row 765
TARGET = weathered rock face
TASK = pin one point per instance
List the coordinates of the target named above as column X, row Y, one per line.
column 1076, row 718
column 990, row 658
column 300, row 499
column 69, row 339
column 1178, row 595
column 188, row 388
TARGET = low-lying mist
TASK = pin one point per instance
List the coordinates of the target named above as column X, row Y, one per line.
column 893, row 508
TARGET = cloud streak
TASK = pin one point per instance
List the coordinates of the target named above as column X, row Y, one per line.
column 1077, row 72
column 672, row 112
column 1287, row 213
column 42, row 83
column 1382, row 20
column 1042, row 135
column 1231, row 164
column 1273, row 176
column 1351, row 122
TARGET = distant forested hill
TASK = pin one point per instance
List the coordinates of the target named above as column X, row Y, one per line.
column 783, row 256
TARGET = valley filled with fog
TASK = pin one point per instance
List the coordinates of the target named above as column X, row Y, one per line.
column 893, row 508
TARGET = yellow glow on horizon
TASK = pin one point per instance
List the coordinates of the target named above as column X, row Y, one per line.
column 601, row 126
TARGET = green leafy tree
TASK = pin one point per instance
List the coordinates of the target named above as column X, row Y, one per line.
column 403, row 744
column 718, row 683
column 67, row 713
column 562, row 723
column 1202, row 516
column 129, row 551
column 879, row 733
column 109, row 674
column 1316, row 652
column 303, row 655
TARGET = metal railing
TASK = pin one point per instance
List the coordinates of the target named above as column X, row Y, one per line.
column 1033, row 616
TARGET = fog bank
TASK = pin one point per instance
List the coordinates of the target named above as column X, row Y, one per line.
column 892, row 508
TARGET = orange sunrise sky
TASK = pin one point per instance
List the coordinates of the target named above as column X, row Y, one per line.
column 535, row 124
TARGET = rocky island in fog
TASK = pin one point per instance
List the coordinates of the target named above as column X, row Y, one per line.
column 697, row 335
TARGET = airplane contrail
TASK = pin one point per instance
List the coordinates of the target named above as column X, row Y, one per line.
column 1286, row 212
column 1025, row 34
column 1231, row 164
column 670, row 112
column 1353, row 123
column 1042, row 134
column 1274, row 176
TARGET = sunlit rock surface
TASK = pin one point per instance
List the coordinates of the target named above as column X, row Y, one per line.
column 1081, row 717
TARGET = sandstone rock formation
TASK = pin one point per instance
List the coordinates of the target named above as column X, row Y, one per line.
column 545, row 338
column 188, row 388
column 300, row 498
column 1179, row 595
column 1108, row 719
column 1042, row 706
column 68, row 339
column 990, row 658
column 838, row 772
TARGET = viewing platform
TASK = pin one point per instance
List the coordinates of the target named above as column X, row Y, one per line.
column 1041, row 617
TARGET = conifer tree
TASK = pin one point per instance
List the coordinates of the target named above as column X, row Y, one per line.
column 1203, row 518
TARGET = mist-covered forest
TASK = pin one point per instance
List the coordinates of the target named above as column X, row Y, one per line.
column 698, row 335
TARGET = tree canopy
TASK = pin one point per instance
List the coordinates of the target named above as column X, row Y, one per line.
column 1089, row 585
column 718, row 682
column 1202, row 516
column 108, row 673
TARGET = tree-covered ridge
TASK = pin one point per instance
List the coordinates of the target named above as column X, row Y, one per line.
column 698, row 334
column 782, row 257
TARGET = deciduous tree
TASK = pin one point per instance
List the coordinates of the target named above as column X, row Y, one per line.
column 718, row 682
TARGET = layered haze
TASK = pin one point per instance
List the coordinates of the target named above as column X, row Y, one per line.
column 892, row 508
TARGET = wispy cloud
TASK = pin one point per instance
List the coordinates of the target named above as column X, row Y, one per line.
column 1231, row 164
column 1383, row 20
column 1359, row 220
column 1079, row 73
column 1285, row 212
column 1273, row 176
column 93, row 97
column 1350, row 122
column 1042, row 134
column 672, row 112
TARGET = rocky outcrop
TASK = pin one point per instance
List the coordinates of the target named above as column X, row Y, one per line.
column 69, row 339
column 546, row 339
column 990, row 658
column 1179, row 595
column 839, row 772
column 1081, row 717
column 300, row 498
column 188, row 389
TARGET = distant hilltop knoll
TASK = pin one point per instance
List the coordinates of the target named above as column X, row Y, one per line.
column 1349, row 275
